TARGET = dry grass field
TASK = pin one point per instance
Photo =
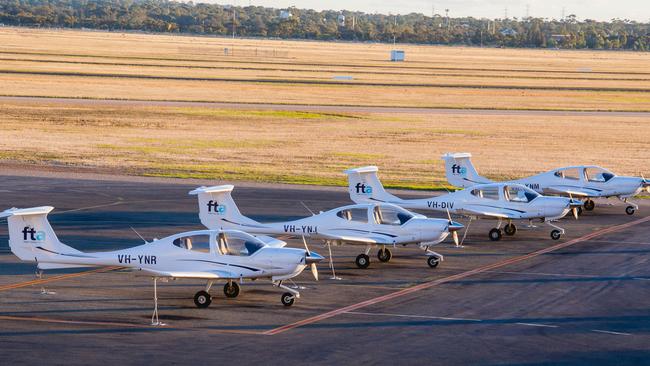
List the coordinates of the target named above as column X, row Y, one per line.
column 311, row 147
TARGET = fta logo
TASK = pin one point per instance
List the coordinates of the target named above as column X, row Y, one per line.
column 214, row 207
column 458, row 170
column 30, row 234
column 363, row 189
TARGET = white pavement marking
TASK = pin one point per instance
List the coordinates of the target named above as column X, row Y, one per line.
column 609, row 332
column 413, row 316
column 539, row 325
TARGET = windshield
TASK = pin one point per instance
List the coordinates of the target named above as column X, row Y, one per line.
column 391, row 215
column 570, row 173
column 519, row 194
column 597, row 174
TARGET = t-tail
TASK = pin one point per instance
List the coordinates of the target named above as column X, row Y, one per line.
column 32, row 239
column 460, row 172
column 217, row 209
column 364, row 186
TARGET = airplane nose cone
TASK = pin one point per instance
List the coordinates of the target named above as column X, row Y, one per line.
column 454, row 226
column 313, row 257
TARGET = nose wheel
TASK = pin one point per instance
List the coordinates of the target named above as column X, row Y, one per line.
column 556, row 234
column 384, row 255
column 495, row 234
column 629, row 210
column 288, row 299
column 362, row 261
column 231, row 289
column 433, row 261
column 202, row 299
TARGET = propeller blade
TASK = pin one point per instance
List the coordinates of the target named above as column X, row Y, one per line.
column 314, row 271
column 306, row 247
column 575, row 212
column 455, row 236
column 448, row 214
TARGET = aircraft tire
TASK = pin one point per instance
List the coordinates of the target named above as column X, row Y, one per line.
column 495, row 234
column 231, row 290
column 362, row 261
column 589, row 205
column 287, row 299
column 202, row 299
column 384, row 255
column 629, row 210
column 433, row 261
column 556, row 234
column 510, row 229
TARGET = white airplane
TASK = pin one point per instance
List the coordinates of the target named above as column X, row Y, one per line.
column 209, row 255
column 584, row 181
column 371, row 225
column 504, row 202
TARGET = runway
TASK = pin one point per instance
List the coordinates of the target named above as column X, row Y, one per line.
column 524, row 300
column 323, row 108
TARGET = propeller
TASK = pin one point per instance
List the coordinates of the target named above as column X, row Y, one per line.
column 646, row 183
column 314, row 269
column 454, row 234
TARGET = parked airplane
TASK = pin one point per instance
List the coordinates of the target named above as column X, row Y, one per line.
column 209, row 255
column 371, row 225
column 504, row 202
column 584, row 181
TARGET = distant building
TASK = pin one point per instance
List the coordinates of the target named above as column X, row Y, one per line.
column 559, row 37
column 508, row 32
column 341, row 20
column 397, row 55
column 285, row 14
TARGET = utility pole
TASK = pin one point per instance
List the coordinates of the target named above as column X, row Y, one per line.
column 563, row 11
column 505, row 13
column 234, row 18
column 527, row 10
column 447, row 16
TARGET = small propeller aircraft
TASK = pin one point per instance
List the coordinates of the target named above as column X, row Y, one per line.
column 583, row 181
column 209, row 255
column 504, row 202
column 371, row 225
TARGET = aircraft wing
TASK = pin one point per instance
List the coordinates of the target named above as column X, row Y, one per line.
column 211, row 275
column 271, row 242
column 495, row 212
column 575, row 191
column 359, row 236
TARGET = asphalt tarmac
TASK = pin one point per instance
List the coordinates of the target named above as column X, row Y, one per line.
column 526, row 300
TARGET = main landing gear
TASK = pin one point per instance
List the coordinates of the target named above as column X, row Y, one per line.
column 363, row 260
column 589, row 204
column 495, row 234
column 384, row 255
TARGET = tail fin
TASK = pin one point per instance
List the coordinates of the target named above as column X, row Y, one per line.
column 217, row 209
column 364, row 186
column 460, row 172
column 31, row 238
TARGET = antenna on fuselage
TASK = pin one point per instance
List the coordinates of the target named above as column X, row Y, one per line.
column 308, row 209
column 138, row 234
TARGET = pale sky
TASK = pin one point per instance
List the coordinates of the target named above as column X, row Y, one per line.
column 638, row 10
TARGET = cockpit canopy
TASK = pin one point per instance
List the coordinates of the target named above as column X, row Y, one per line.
column 512, row 193
column 225, row 243
column 381, row 214
column 590, row 173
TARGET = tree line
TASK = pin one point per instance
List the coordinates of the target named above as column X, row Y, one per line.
column 255, row 21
